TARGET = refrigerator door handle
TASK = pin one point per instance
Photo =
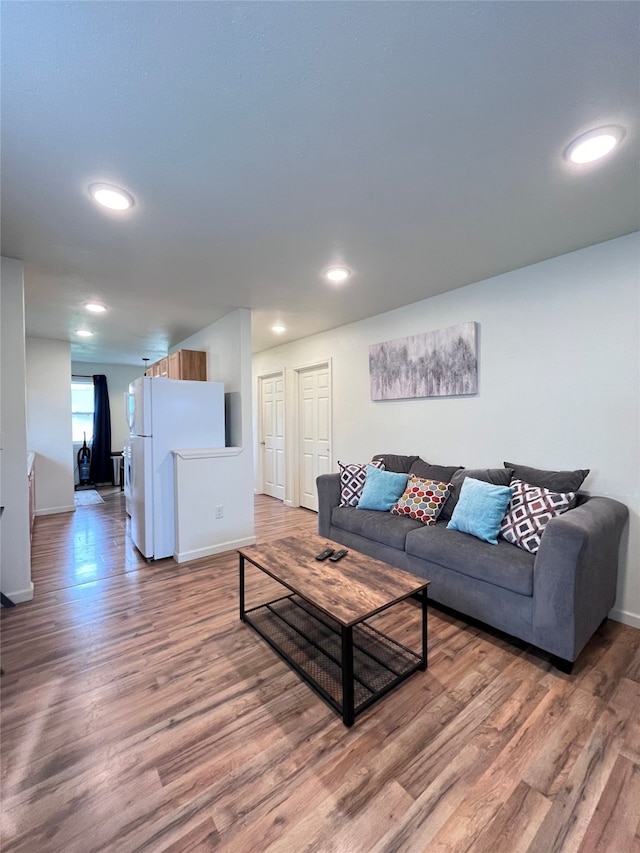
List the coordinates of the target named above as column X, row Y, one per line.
column 128, row 410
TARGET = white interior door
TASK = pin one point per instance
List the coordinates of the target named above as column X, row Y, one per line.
column 272, row 435
column 315, row 431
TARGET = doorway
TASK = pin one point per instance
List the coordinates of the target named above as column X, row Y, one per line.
column 314, row 430
column 272, row 435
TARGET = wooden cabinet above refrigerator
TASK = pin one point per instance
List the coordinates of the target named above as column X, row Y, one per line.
column 183, row 364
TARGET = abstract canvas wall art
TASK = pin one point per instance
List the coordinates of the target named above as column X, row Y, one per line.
column 442, row 363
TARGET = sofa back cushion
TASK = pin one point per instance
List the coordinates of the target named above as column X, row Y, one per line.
column 495, row 476
column 395, row 462
column 438, row 473
column 557, row 481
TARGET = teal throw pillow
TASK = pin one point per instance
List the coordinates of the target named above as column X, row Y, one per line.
column 382, row 489
column 480, row 509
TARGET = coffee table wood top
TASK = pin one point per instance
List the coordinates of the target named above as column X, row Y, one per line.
column 351, row 590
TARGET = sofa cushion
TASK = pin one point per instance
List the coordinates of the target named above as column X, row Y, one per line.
column 422, row 499
column 394, row 462
column 557, row 481
column 352, row 477
column 439, row 473
column 497, row 476
column 378, row 526
column 381, row 489
column 530, row 510
column 480, row 509
column 502, row 565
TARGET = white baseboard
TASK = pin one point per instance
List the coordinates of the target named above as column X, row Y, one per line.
column 197, row 553
column 20, row 595
column 54, row 510
column 632, row 619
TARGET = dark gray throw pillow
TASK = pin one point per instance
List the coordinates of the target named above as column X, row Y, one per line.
column 496, row 476
column 437, row 473
column 394, row 462
column 557, row 481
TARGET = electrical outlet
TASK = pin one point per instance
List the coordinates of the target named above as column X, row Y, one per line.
column 219, row 511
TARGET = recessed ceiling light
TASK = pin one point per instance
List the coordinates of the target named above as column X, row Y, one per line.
column 337, row 273
column 112, row 197
column 278, row 329
column 95, row 307
column 594, row 144
column 84, row 333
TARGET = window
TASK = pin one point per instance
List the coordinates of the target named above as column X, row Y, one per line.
column 82, row 408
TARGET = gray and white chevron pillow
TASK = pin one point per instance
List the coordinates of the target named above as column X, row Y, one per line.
column 352, row 477
column 530, row 510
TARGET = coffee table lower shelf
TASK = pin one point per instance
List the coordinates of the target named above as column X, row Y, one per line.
column 350, row 668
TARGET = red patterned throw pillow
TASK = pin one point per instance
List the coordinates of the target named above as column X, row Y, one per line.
column 530, row 510
column 422, row 499
column 352, row 479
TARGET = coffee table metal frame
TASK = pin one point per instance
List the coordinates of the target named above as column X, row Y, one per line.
column 347, row 708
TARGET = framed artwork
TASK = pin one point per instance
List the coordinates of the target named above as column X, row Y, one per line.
column 443, row 363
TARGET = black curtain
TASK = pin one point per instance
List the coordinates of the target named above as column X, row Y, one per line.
column 101, row 466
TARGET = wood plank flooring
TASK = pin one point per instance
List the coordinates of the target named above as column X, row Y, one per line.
column 139, row 714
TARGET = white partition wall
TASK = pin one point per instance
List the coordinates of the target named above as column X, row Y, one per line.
column 228, row 347
column 15, row 548
column 49, row 423
column 211, row 503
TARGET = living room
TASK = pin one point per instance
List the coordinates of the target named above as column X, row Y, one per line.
column 540, row 373
column 137, row 704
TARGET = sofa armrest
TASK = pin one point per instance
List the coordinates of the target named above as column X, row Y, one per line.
column 328, row 497
column 575, row 575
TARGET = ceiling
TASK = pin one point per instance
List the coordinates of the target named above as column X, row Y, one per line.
column 419, row 144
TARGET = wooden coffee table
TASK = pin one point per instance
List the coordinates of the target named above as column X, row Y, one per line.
column 320, row 627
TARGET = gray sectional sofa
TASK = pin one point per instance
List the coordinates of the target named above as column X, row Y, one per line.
column 554, row 599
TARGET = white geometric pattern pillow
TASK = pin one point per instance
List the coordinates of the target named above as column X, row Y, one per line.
column 530, row 510
column 352, row 477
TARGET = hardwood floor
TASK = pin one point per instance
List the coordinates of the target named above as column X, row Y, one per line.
column 139, row 714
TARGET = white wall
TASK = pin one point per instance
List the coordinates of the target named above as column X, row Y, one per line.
column 206, row 480
column 49, row 423
column 221, row 480
column 118, row 378
column 559, row 383
column 15, row 549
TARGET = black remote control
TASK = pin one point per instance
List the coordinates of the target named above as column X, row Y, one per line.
column 326, row 553
column 338, row 555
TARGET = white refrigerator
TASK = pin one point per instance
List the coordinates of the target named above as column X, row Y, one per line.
column 165, row 415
